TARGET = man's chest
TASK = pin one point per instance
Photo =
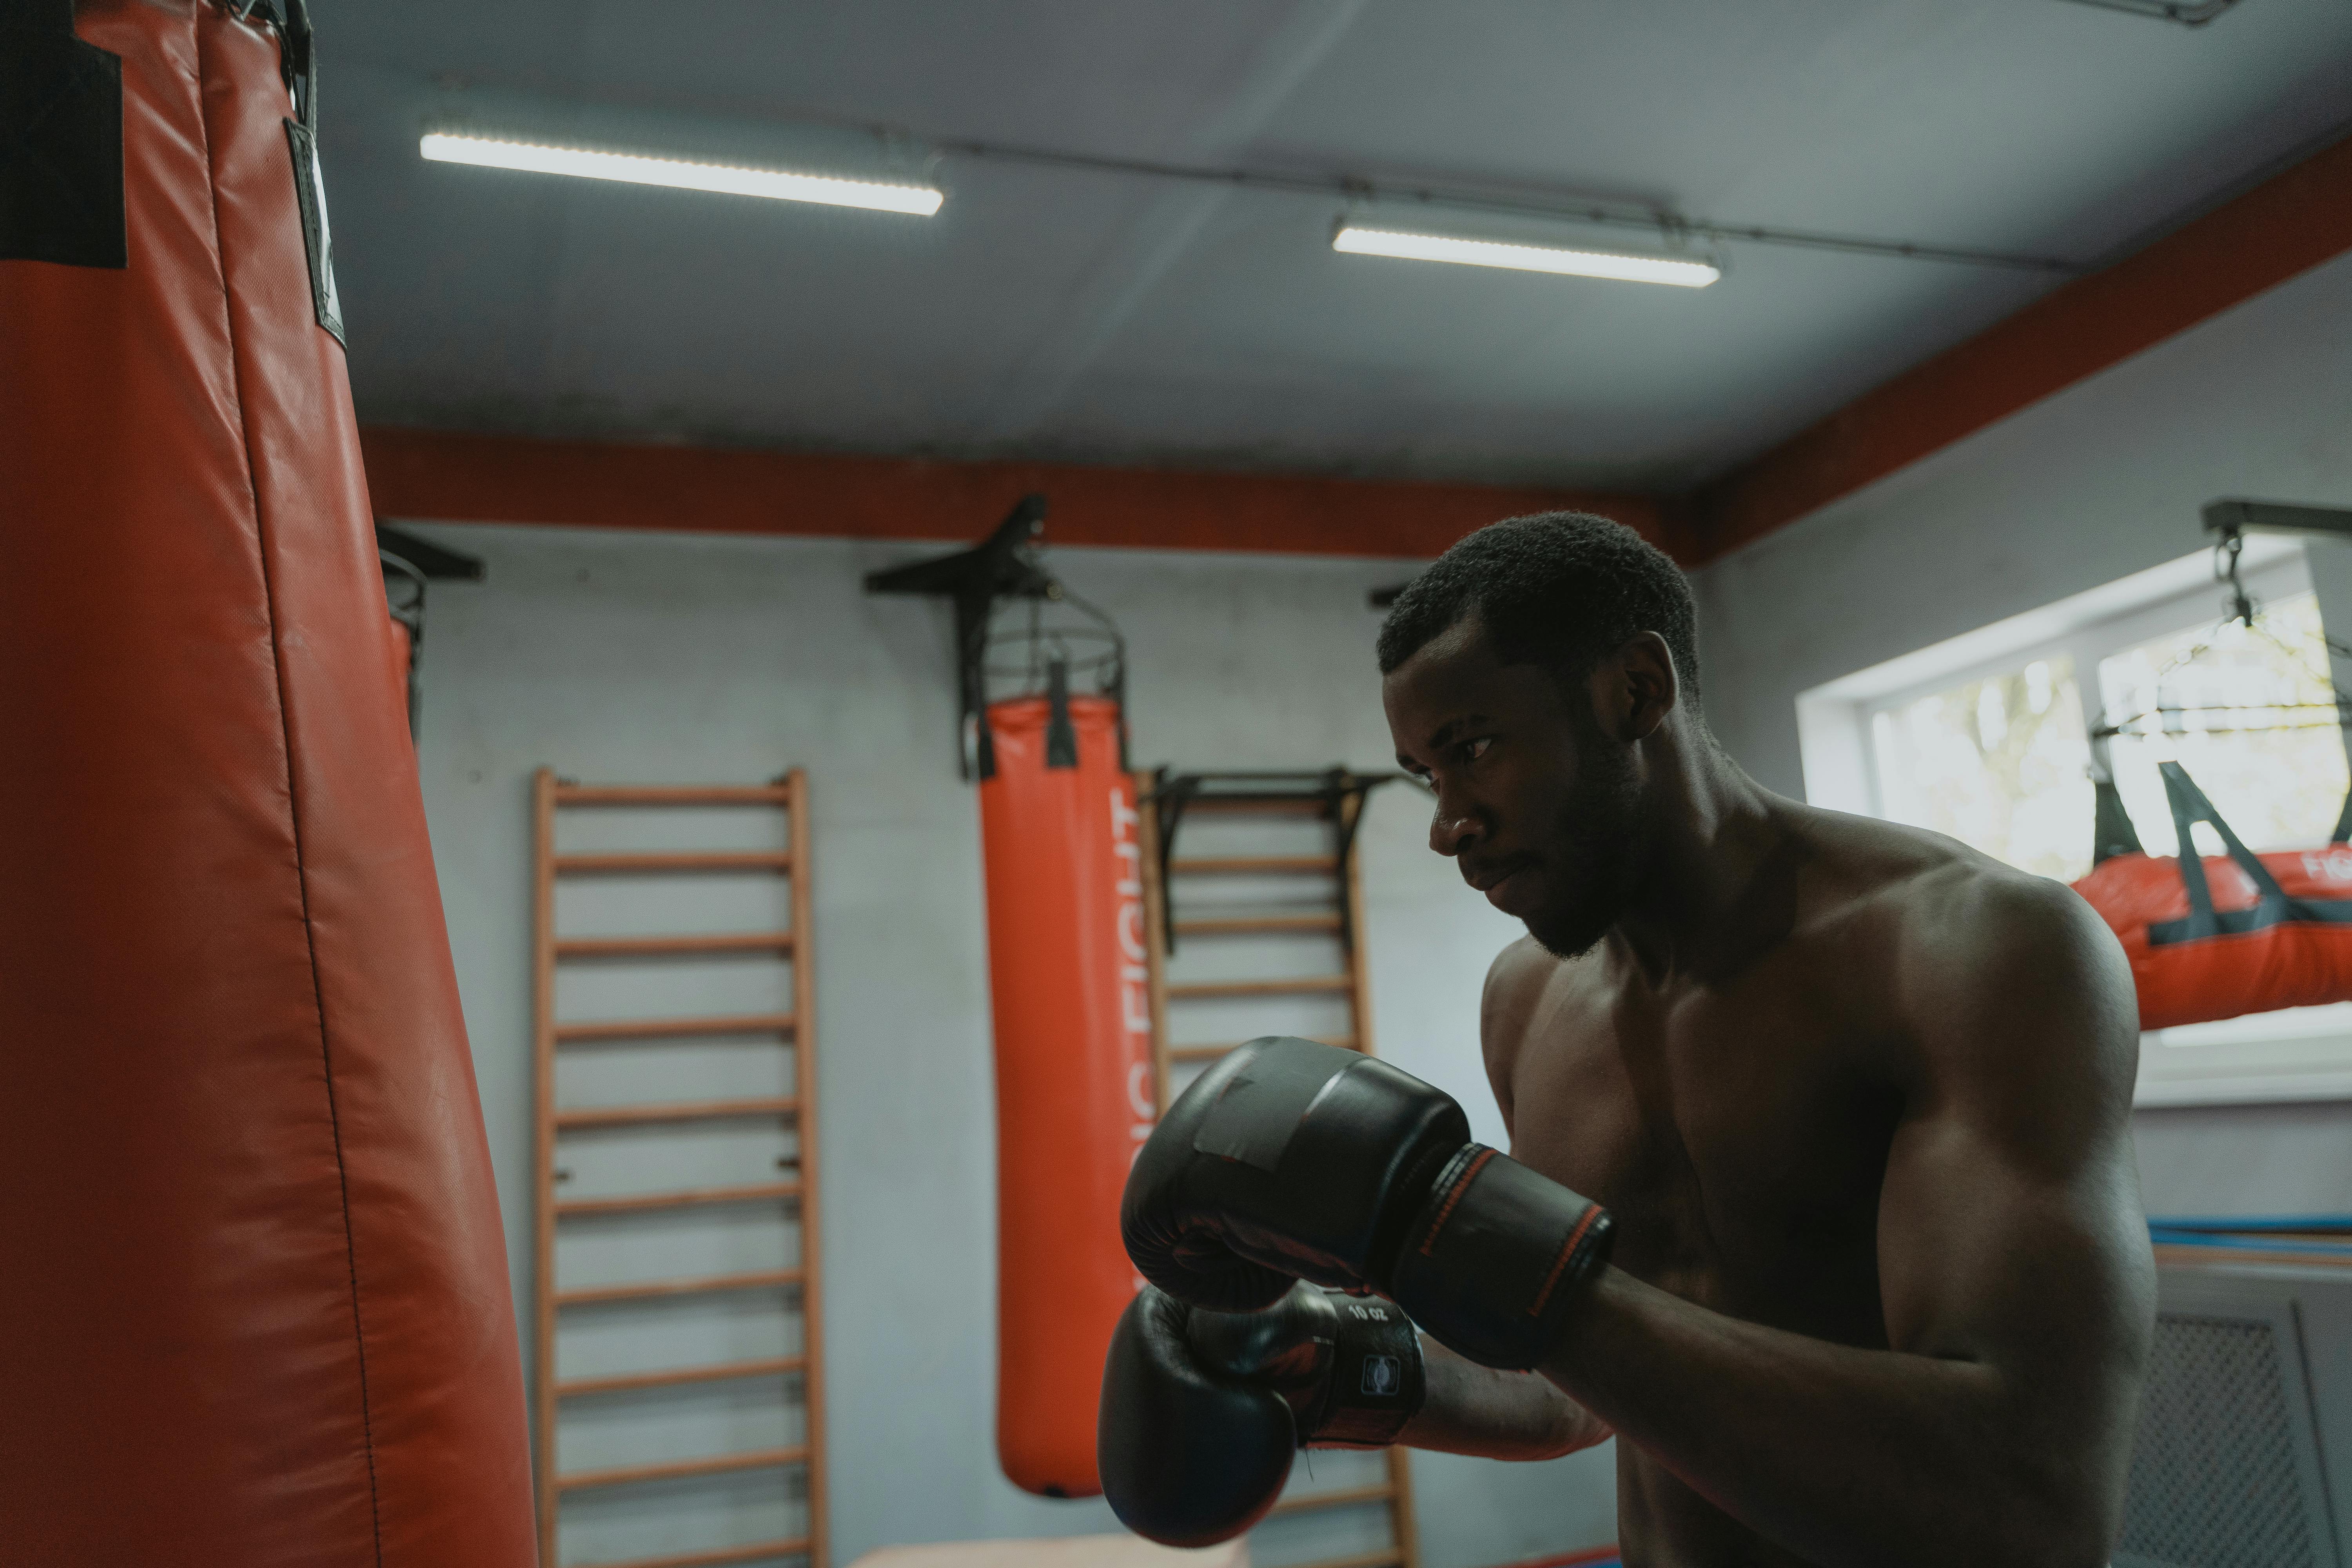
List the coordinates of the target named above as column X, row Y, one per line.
column 1739, row 1142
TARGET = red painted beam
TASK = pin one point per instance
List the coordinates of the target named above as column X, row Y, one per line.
column 2289, row 224
column 437, row 475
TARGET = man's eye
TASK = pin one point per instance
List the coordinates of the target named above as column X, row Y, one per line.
column 1474, row 750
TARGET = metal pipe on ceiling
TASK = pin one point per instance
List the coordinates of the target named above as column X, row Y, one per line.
column 1673, row 226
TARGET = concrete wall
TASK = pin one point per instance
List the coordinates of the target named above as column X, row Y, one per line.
column 2097, row 482
column 627, row 657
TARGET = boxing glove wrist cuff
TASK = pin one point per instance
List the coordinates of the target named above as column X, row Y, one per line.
column 1375, row 1383
column 1494, row 1258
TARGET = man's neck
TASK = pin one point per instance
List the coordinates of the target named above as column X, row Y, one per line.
column 1709, row 831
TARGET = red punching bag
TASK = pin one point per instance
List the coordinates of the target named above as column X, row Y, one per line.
column 1074, row 1073
column 253, row 1308
column 2213, row 937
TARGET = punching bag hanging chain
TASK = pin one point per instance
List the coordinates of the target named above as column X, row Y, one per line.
column 2231, row 545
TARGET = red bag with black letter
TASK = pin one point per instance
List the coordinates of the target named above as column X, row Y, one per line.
column 254, row 1310
column 1075, row 1093
column 2216, row 936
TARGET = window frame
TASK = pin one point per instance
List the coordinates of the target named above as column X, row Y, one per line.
column 2295, row 1054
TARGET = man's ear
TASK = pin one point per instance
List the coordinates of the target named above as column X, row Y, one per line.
column 1643, row 688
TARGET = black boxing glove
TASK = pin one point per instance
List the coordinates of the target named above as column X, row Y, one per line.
column 1202, row 1410
column 1293, row 1160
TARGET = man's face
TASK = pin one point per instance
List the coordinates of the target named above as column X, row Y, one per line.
column 1534, row 802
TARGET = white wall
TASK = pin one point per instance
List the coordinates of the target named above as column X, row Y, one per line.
column 620, row 658
column 2100, row 481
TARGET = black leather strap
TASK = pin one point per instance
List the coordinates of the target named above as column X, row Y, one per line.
column 60, row 142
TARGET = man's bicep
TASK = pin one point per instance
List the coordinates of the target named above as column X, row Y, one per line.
column 1990, row 1258
column 2010, row 1226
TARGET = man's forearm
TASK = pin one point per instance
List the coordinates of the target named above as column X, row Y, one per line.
column 1474, row 1409
column 1853, row 1458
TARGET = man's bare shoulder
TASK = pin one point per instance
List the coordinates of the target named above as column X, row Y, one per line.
column 1914, row 885
column 1960, row 940
column 1517, row 982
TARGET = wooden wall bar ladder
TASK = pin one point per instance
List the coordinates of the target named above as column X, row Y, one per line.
column 1335, row 797
column 552, row 1392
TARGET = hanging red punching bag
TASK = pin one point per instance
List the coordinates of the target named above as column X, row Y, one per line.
column 253, row 1308
column 1074, row 1077
column 2220, row 936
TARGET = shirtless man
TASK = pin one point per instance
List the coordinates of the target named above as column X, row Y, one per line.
column 1853, row 1098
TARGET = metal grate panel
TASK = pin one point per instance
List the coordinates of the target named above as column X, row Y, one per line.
column 2216, row 1480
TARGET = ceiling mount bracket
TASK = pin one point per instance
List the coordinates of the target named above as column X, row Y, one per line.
column 1003, row 566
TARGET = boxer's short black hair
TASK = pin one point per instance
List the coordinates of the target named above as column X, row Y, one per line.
column 1560, row 589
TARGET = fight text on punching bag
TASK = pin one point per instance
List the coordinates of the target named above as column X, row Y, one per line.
column 1135, row 972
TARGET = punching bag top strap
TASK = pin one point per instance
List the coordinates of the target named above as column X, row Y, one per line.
column 2112, row 833
column 60, row 142
column 983, row 745
column 1061, row 739
column 297, row 59
column 298, row 63
column 2343, row 830
column 2189, row 807
column 53, row 18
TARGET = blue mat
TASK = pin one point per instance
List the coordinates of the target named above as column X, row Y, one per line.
column 2320, row 1235
column 2253, row 1224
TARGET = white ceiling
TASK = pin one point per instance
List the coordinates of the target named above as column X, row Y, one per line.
column 1099, row 317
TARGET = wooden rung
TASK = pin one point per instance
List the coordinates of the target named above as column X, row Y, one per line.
column 672, row 794
column 675, row 1028
column 647, row 1201
column 1210, row 1053
column 637, row 864
column 1354, row 1497
column 674, row 946
column 679, row 1377
column 756, row 1551
column 673, row 1470
column 1255, row 866
column 1387, row 1557
column 681, row 1110
column 1313, row 985
column 1259, row 925
column 662, row 1289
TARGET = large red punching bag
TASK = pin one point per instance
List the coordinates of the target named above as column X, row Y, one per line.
column 1074, row 1094
column 253, row 1308
column 2220, row 936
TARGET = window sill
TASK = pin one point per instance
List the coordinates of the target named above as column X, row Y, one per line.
column 2295, row 1054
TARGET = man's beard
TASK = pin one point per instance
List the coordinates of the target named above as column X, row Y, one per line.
column 1592, row 877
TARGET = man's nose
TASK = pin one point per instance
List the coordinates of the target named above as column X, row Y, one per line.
column 1453, row 828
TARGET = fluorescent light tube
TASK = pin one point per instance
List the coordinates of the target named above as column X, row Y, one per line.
column 491, row 152
column 1523, row 257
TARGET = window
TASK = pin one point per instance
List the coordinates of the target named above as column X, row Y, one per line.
column 2003, row 761
column 2273, row 762
column 1994, row 739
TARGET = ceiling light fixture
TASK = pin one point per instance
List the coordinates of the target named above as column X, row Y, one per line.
column 1411, row 247
column 492, row 152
